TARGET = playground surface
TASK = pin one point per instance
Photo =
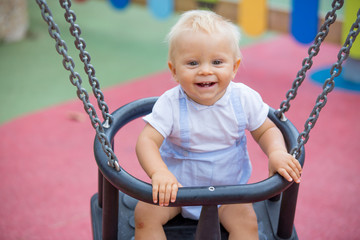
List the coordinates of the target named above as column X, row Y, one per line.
column 48, row 173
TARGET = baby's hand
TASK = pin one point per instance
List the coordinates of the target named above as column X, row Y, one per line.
column 286, row 165
column 164, row 187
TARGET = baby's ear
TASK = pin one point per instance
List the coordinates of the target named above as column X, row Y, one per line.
column 236, row 66
column 172, row 69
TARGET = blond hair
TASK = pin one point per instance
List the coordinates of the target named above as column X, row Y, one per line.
column 205, row 21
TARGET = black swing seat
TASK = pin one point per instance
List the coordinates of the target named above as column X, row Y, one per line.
column 180, row 228
column 112, row 208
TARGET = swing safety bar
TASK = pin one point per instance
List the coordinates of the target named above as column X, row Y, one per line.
column 110, row 180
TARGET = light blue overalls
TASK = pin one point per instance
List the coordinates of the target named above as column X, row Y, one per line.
column 228, row 166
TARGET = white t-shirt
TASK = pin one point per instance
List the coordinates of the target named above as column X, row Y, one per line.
column 213, row 127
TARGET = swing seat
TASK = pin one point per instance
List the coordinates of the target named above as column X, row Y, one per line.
column 180, row 228
column 112, row 208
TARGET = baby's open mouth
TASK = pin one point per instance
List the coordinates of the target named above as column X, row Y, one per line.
column 206, row 84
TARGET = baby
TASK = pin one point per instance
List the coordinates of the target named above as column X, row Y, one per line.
column 195, row 135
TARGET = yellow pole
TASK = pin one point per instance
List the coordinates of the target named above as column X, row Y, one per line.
column 351, row 7
column 252, row 16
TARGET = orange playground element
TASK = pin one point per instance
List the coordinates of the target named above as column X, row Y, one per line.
column 253, row 16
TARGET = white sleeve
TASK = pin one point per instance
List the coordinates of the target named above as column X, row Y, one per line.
column 255, row 109
column 161, row 117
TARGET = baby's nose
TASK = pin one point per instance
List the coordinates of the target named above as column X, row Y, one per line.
column 205, row 69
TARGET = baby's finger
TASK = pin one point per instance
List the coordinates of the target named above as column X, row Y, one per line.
column 167, row 194
column 298, row 165
column 285, row 174
column 296, row 168
column 161, row 195
column 294, row 173
column 295, row 176
column 155, row 191
column 174, row 191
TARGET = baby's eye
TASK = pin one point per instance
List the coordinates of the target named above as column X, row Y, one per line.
column 217, row 62
column 192, row 63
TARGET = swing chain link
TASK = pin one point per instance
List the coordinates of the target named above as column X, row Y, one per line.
column 76, row 80
column 84, row 56
column 328, row 86
column 312, row 52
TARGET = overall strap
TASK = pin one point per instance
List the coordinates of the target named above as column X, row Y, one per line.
column 184, row 123
column 239, row 113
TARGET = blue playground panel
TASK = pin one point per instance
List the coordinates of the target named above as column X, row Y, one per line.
column 304, row 20
column 321, row 75
column 119, row 4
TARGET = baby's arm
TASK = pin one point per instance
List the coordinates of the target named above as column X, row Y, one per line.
column 164, row 183
column 271, row 141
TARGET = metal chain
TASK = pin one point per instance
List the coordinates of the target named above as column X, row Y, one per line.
column 328, row 86
column 308, row 62
column 76, row 80
column 84, row 56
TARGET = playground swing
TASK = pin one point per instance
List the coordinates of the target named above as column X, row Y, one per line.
column 274, row 199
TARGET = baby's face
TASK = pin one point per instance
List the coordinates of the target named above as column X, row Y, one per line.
column 203, row 64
